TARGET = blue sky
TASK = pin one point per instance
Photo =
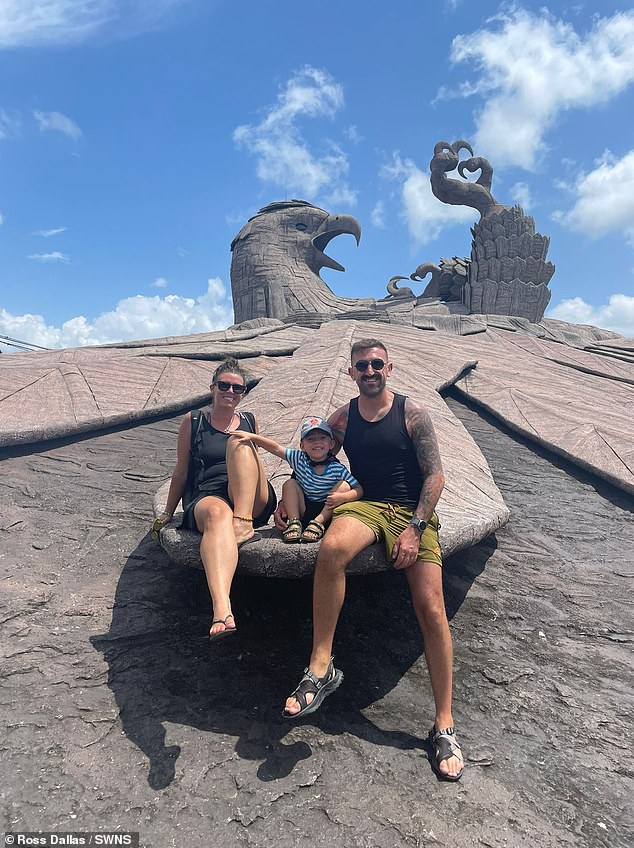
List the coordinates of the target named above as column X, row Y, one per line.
column 136, row 138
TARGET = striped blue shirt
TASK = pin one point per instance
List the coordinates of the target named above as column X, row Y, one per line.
column 317, row 486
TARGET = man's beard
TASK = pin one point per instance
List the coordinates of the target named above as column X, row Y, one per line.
column 374, row 388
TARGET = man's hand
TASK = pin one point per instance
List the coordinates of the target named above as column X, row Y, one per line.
column 405, row 551
column 280, row 516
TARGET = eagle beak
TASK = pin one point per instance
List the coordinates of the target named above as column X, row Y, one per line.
column 334, row 225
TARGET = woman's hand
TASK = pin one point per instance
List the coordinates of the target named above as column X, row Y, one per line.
column 160, row 522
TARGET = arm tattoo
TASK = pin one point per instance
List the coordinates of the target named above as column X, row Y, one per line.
column 338, row 422
column 421, row 431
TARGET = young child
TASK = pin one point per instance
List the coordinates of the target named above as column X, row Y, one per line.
column 320, row 484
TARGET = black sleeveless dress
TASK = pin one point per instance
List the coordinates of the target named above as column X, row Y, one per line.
column 212, row 478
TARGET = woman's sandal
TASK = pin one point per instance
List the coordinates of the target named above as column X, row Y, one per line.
column 320, row 687
column 444, row 745
column 314, row 531
column 293, row 531
column 222, row 633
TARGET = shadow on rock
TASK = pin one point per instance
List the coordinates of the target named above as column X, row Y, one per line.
column 163, row 668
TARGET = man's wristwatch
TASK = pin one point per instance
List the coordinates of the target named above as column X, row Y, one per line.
column 419, row 524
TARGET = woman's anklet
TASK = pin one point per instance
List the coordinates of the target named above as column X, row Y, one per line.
column 243, row 518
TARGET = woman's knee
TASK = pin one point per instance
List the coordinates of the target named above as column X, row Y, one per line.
column 212, row 514
column 243, row 451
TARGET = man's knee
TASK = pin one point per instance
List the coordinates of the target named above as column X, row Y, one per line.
column 430, row 609
column 334, row 554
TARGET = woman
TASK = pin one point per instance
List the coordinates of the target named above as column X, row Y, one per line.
column 230, row 493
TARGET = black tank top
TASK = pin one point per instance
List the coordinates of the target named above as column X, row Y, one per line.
column 212, row 450
column 382, row 456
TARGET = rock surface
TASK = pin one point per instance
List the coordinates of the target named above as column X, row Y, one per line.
column 117, row 713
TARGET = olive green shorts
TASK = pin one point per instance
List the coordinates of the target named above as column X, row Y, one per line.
column 387, row 522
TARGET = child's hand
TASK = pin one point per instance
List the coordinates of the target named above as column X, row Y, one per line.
column 335, row 499
column 241, row 436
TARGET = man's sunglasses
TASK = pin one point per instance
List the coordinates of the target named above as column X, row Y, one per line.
column 362, row 364
column 225, row 385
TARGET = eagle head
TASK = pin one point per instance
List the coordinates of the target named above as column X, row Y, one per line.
column 277, row 257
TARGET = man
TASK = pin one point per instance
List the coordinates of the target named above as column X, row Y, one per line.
column 391, row 445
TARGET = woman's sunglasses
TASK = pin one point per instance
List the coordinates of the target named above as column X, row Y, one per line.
column 225, row 385
column 362, row 364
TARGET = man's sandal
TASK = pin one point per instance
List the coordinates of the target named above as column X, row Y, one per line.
column 444, row 745
column 293, row 531
column 314, row 531
column 222, row 633
column 320, row 687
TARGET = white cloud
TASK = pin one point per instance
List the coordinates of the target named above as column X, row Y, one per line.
column 160, row 283
column 55, row 256
column 9, row 124
column 377, row 216
column 425, row 215
column 352, row 134
column 604, row 199
column 56, row 121
column 1, row 219
column 283, row 157
column 48, row 233
column 521, row 193
column 532, row 67
column 30, row 22
column 133, row 318
column 341, row 195
column 617, row 314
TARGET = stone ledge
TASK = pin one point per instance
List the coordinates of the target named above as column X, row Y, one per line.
column 271, row 557
column 268, row 557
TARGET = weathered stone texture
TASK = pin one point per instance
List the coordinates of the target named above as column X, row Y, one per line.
column 508, row 273
column 63, row 392
column 315, row 382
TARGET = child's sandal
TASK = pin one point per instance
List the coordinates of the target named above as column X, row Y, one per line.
column 293, row 531
column 314, row 531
